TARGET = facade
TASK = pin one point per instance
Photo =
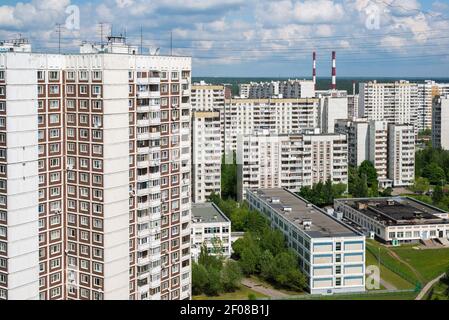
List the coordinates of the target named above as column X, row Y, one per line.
column 212, row 229
column 331, row 254
column 206, row 155
column 357, row 132
column 378, row 147
column 244, row 90
column 207, row 97
column 396, row 219
column 391, row 102
column 401, row 154
column 440, row 122
column 281, row 116
column 353, row 106
column 106, row 209
column 290, row 161
column 332, row 109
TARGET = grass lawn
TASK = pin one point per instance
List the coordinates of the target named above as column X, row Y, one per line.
column 429, row 263
column 241, row 294
column 387, row 275
column 391, row 261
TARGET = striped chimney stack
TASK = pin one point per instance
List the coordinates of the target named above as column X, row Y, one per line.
column 334, row 70
column 314, row 69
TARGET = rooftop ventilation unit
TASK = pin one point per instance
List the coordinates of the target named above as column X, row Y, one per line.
column 307, row 224
column 275, row 200
column 287, row 209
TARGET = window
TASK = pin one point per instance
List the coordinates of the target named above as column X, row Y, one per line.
column 54, row 90
column 53, row 75
column 54, row 104
column 2, row 75
column 2, row 91
column 54, row 118
column 70, row 75
column 84, row 75
column 96, row 75
column 96, row 90
column 2, row 106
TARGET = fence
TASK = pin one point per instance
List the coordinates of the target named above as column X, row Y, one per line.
column 389, row 266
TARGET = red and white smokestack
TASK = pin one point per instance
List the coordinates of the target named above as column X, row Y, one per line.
column 334, row 70
column 314, row 69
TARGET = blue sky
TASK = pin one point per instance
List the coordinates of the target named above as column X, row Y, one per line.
column 373, row 38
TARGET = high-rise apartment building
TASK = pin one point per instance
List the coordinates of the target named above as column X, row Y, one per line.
column 388, row 147
column 395, row 102
column 427, row 92
column 332, row 108
column 206, row 155
column 401, row 154
column 208, row 97
column 290, row 161
column 440, row 122
column 100, row 174
column 280, row 116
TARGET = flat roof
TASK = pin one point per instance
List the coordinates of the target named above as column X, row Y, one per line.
column 323, row 225
column 207, row 213
column 397, row 210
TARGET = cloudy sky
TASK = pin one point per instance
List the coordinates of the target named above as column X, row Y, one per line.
column 373, row 38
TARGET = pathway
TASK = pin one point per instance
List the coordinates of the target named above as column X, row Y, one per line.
column 272, row 293
column 428, row 286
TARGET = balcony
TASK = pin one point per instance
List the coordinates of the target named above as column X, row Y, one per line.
column 143, row 123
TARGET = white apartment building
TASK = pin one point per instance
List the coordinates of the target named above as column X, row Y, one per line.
column 208, row 97
column 286, row 89
column 427, row 92
column 332, row 108
column 98, row 163
column 290, row 161
column 211, row 229
column 391, row 102
column 391, row 149
column 331, row 253
column 401, row 154
column 358, row 135
column 206, row 155
column 281, row 116
column 244, row 90
column 440, row 122
column 378, row 148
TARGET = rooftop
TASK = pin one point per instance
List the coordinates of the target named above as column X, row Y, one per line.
column 207, row 213
column 301, row 213
column 398, row 211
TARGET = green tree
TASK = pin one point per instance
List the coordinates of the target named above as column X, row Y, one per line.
column 200, row 279
column 421, row 186
column 266, row 265
column 231, row 275
column 434, row 173
column 387, row 192
column 367, row 168
column 229, row 179
column 437, row 195
column 214, row 287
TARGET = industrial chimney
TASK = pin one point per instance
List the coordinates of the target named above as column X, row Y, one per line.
column 334, row 70
column 314, row 69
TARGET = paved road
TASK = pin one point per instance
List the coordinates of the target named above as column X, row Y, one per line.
column 272, row 293
column 428, row 286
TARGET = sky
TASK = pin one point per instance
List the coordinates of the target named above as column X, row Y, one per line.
column 253, row 38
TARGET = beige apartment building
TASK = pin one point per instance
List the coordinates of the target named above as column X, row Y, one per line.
column 97, row 162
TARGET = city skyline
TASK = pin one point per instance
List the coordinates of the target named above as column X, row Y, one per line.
column 236, row 38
